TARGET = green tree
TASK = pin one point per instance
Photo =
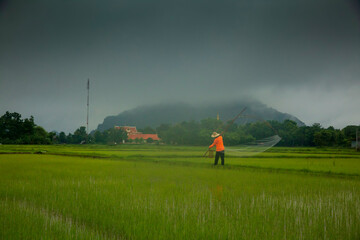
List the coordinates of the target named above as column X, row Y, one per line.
column 139, row 140
column 99, row 137
column 40, row 136
column 69, row 138
column 116, row 136
column 323, row 138
column 350, row 133
column 162, row 131
column 15, row 130
column 240, row 136
column 212, row 124
column 62, row 138
column 259, row 130
column 232, row 138
column 340, row 139
column 53, row 137
column 80, row 135
column 148, row 130
column 288, row 132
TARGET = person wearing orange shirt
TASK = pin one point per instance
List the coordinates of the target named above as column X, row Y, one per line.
column 220, row 150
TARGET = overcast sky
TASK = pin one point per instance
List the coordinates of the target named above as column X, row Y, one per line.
column 298, row 56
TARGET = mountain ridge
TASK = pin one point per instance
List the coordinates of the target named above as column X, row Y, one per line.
column 170, row 113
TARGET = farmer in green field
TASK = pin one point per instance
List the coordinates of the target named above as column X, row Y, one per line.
column 220, row 150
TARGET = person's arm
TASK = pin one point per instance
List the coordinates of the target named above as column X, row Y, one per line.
column 214, row 143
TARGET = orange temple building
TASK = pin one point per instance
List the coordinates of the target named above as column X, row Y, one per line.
column 133, row 134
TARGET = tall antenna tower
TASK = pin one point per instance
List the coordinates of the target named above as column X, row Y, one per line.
column 87, row 116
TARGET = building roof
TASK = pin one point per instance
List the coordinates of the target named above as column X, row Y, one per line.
column 128, row 129
column 133, row 134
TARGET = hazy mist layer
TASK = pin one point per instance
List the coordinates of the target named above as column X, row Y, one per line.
column 299, row 57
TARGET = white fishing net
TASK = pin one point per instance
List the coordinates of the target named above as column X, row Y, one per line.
column 253, row 148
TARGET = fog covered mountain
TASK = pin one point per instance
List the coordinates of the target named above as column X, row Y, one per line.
column 155, row 115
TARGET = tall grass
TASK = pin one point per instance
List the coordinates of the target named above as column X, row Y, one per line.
column 319, row 160
column 49, row 197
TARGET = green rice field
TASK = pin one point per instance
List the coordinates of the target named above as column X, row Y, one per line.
column 172, row 192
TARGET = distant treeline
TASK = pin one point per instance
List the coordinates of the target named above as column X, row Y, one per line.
column 197, row 133
column 15, row 130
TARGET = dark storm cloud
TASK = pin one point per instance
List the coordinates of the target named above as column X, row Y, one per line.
column 138, row 52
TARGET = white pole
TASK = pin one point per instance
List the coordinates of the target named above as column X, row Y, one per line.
column 87, row 116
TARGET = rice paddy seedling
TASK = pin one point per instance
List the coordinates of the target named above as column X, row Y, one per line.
column 161, row 192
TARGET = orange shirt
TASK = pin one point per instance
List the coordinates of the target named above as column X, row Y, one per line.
column 218, row 142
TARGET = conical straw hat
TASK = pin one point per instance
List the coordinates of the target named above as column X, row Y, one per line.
column 215, row 134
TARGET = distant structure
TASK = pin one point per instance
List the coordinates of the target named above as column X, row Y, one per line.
column 133, row 134
column 87, row 115
column 217, row 117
